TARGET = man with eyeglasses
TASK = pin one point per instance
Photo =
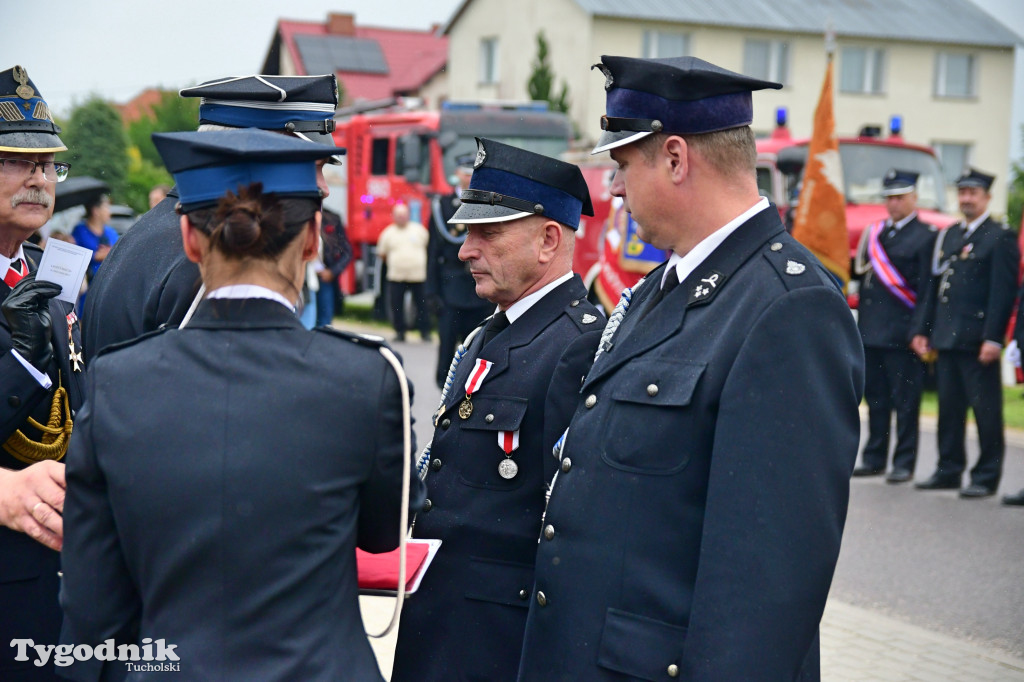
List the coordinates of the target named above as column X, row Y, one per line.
column 40, row 380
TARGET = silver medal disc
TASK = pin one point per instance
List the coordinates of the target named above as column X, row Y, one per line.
column 508, row 469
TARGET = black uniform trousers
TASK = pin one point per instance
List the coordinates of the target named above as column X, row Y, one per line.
column 893, row 378
column 396, row 295
column 964, row 381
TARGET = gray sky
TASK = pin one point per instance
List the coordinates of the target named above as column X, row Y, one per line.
column 117, row 48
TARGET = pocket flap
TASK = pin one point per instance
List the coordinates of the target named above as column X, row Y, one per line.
column 495, row 413
column 658, row 382
column 501, row 582
column 639, row 646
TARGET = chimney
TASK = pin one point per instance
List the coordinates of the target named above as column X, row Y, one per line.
column 341, row 24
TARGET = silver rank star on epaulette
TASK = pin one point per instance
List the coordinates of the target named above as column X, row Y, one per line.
column 794, row 268
column 589, row 319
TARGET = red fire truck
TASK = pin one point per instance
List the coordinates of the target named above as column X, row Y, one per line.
column 611, row 257
column 407, row 155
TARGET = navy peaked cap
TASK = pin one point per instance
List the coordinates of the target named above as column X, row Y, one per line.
column 898, row 182
column 303, row 105
column 975, row 178
column 26, row 124
column 510, row 183
column 207, row 165
column 676, row 95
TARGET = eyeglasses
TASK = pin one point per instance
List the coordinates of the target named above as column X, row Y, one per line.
column 21, row 168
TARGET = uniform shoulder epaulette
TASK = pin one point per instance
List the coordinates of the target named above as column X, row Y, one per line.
column 131, row 342
column 371, row 340
column 586, row 316
column 797, row 268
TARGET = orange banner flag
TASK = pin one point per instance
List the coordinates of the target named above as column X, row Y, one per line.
column 820, row 220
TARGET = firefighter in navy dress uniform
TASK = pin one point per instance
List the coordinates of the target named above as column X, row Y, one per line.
column 510, row 397
column 893, row 262
column 215, row 498
column 695, row 521
column 40, row 380
column 963, row 316
column 146, row 281
column 449, row 282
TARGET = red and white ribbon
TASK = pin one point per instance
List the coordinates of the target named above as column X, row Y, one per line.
column 508, row 441
column 476, row 377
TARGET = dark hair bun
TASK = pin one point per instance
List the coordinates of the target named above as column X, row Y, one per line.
column 241, row 229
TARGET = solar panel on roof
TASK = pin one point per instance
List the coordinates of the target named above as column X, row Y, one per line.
column 327, row 54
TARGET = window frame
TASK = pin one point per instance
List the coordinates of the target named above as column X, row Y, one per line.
column 489, row 62
column 941, row 82
column 874, row 69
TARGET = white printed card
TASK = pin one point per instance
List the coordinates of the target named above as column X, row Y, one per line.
column 64, row 264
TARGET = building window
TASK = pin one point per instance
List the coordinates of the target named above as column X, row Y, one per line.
column 862, row 70
column 766, row 59
column 954, row 75
column 665, row 44
column 954, row 158
column 488, row 61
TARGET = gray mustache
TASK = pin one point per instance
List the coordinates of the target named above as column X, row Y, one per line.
column 31, row 196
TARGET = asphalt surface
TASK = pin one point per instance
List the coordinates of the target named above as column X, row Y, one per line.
column 929, row 559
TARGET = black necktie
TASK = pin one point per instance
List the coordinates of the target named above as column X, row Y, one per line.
column 671, row 282
column 494, row 325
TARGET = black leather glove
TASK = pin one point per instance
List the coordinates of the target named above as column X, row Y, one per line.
column 27, row 309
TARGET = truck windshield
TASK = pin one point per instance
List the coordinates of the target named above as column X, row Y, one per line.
column 547, row 146
column 865, row 165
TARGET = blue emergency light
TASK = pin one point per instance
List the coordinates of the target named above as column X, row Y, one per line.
column 896, row 125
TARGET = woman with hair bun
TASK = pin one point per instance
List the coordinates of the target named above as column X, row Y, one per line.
column 222, row 474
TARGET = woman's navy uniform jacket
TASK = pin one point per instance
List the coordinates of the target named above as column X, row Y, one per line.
column 694, row 532
column 466, row 622
column 219, row 481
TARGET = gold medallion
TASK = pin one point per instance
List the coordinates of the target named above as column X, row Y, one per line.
column 466, row 408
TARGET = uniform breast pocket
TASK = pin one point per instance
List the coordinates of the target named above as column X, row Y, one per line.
column 646, row 428
column 481, row 453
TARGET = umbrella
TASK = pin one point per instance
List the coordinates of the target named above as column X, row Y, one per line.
column 78, row 190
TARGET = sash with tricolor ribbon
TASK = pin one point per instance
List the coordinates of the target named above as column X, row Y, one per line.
column 885, row 271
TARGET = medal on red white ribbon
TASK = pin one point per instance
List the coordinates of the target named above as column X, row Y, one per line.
column 509, row 442
column 74, row 355
column 476, row 377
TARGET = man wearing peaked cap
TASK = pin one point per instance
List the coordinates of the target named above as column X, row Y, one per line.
column 893, row 263
column 695, row 524
column 40, row 376
column 146, row 281
column 507, row 399
column 450, row 286
column 963, row 315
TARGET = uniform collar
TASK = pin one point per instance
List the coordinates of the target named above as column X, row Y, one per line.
column 903, row 222
column 5, row 262
column 250, row 291
column 516, row 310
column 684, row 265
column 976, row 223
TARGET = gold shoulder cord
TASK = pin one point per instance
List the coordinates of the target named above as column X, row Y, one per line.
column 56, row 437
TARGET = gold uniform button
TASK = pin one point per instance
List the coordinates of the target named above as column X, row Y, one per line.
column 566, row 465
column 591, row 401
column 542, row 599
column 673, row 670
column 652, row 390
column 549, row 532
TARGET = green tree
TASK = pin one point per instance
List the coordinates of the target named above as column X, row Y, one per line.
column 541, row 85
column 143, row 176
column 97, row 144
column 170, row 115
column 1015, row 198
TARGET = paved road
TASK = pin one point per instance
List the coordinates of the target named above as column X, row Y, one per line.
column 946, row 574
